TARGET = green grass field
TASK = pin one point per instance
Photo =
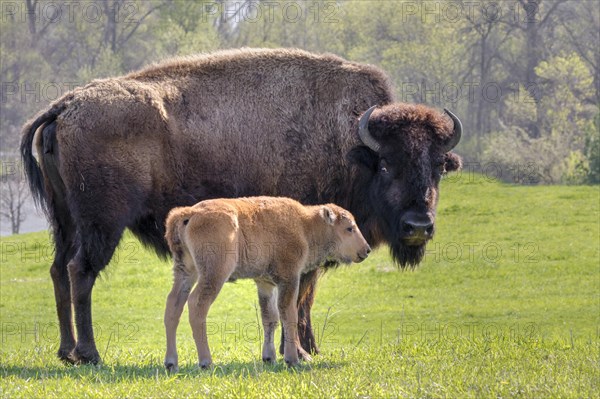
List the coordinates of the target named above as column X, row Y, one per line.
column 506, row 303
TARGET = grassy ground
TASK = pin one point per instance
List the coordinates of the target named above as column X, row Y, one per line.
column 506, row 303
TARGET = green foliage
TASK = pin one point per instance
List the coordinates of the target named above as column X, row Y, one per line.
column 520, row 109
column 185, row 29
column 473, row 57
column 592, row 151
column 505, row 304
column 561, row 151
column 577, row 170
column 566, row 113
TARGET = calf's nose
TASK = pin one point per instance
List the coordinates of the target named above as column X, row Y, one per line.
column 364, row 253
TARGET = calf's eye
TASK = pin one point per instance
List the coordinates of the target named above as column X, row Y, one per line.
column 350, row 229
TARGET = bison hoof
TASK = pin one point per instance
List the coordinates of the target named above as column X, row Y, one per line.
column 292, row 363
column 82, row 356
column 171, row 368
column 63, row 354
column 268, row 359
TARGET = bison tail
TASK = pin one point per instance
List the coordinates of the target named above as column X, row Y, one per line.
column 30, row 164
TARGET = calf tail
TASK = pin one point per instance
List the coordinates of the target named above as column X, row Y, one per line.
column 175, row 225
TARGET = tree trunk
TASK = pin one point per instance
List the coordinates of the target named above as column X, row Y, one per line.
column 533, row 53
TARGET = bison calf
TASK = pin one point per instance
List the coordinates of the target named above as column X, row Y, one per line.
column 270, row 240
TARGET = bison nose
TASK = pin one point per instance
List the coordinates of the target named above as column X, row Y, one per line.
column 418, row 228
column 368, row 249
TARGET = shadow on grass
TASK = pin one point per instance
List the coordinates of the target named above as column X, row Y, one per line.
column 120, row 372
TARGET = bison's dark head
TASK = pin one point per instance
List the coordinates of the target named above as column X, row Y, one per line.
column 406, row 152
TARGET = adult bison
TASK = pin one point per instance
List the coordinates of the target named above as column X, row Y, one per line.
column 121, row 152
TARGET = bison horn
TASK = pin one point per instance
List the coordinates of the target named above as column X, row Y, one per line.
column 363, row 130
column 457, row 131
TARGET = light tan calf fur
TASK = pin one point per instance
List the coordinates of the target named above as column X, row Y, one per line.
column 271, row 240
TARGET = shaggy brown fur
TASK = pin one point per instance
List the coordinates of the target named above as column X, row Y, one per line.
column 271, row 240
column 121, row 152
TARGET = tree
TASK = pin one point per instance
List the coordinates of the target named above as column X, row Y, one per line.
column 564, row 150
column 455, row 54
column 581, row 24
column 536, row 21
column 15, row 193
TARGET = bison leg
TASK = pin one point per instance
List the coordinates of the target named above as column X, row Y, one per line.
column 306, row 297
column 270, row 317
column 93, row 255
column 82, row 281
column 62, row 293
column 176, row 300
column 305, row 302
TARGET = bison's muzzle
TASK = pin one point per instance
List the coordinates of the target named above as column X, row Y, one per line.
column 416, row 228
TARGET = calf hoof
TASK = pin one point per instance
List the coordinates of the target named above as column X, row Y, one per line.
column 205, row 364
column 84, row 356
column 292, row 363
column 304, row 356
column 268, row 359
column 171, row 367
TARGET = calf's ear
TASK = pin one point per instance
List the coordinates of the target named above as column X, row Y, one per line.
column 327, row 214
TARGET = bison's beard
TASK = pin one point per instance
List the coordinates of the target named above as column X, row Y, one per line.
column 407, row 255
column 404, row 255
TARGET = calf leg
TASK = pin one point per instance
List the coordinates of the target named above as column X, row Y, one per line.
column 288, row 311
column 199, row 303
column 270, row 318
column 210, row 282
column 182, row 284
column 306, row 297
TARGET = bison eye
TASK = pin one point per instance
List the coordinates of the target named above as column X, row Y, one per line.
column 383, row 166
column 350, row 229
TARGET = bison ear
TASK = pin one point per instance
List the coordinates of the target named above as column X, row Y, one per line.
column 327, row 214
column 452, row 162
column 364, row 157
